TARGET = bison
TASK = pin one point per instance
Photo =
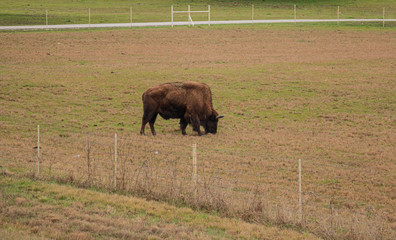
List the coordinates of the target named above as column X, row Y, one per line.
column 191, row 102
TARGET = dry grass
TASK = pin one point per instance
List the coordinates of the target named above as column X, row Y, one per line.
column 31, row 209
column 325, row 96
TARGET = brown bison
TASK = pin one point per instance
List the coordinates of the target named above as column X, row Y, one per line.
column 191, row 102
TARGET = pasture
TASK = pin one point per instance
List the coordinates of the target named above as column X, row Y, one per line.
column 325, row 95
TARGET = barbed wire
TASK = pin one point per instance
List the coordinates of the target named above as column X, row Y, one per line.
column 204, row 152
column 232, row 183
column 100, row 159
column 231, row 188
column 156, row 163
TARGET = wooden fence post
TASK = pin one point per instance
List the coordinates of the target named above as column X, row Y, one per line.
column 38, row 152
column 195, row 181
column 115, row 161
column 299, row 192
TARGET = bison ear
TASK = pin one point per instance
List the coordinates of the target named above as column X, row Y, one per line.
column 220, row 116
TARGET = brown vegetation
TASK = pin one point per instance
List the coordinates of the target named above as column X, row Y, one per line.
column 31, row 210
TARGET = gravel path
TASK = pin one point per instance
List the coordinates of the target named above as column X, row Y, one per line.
column 160, row 24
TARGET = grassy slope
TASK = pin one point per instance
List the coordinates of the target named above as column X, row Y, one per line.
column 22, row 12
column 40, row 210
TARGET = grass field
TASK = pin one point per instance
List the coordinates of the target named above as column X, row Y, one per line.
column 325, row 95
column 22, row 12
column 320, row 93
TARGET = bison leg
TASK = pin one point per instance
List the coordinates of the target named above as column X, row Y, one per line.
column 144, row 122
column 152, row 121
column 183, row 125
column 150, row 112
column 196, row 125
column 148, row 117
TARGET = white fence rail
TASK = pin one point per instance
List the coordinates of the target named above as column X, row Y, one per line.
column 189, row 14
column 190, row 21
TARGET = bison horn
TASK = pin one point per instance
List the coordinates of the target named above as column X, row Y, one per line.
column 221, row 116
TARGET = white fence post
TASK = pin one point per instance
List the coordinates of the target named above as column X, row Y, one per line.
column 130, row 13
column 172, row 15
column 38, row 152
column 115, row 161
column 252, row 13
column 338, row 15
column 383, row 17
column 209, row 15
column 299, row 192
column 195, row 181
column 189, row 16
column 190, row 21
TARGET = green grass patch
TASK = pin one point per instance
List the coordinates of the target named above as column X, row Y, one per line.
column 22, row 12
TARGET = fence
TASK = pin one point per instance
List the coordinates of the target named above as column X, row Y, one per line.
column 279, row 13
column 189, row 15
column 234, row 183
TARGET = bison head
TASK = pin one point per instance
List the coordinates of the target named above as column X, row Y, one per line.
column 211, row 123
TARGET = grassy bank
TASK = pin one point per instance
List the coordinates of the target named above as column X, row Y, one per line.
column 35, row 210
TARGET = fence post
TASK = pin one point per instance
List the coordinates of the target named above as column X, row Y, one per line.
column 295, row 14
column 189, row 16
column 252, row 13
column 130, row 11
column 194, row 153
column 209, row 15
column 115, row 161
column 38, row 152
column 89, row 16
column 46, row 17
column 383, row 17
column 338, row 15
column 299, row 192
column 172, row 15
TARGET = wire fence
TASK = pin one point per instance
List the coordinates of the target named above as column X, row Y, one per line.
column 234, row 181
column 142, row 13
